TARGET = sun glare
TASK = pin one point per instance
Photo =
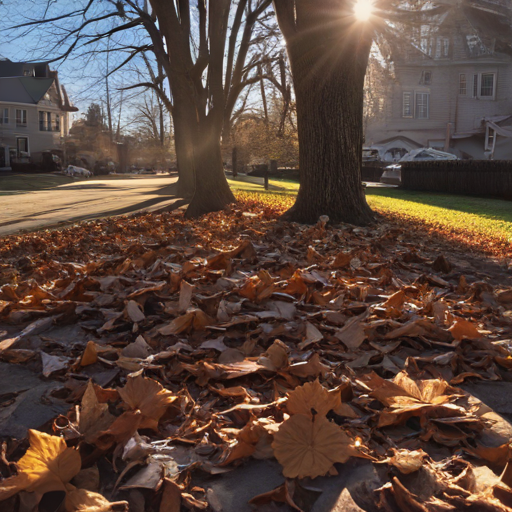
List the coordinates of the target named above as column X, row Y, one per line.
column 363, row 9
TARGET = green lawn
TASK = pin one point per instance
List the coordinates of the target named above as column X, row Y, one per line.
column 473, row 215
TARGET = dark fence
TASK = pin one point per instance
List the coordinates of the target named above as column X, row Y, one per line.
column 371, row 171
column 491, row 178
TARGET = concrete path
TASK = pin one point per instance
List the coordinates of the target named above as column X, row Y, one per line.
column 83, row 200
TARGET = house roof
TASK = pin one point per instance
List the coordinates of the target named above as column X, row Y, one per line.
column 12, row 69
column 24, row 89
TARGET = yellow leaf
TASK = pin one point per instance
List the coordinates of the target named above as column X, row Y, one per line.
column 81, row 500
column 308, row 447
column 48, row 465
column 149, row 397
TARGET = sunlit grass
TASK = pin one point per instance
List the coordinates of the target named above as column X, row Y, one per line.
column 473, row 217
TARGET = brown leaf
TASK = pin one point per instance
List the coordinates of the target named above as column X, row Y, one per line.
column 312, row 368
column 195, row 319
column 133, row 311
column 396, row 300
column 464, row 329
column 171, row 497
column 342, row 260
column 311, row 399
column 90, row 354
column 94, row 417
column 308, row 447
column 186, row 293
column 352, row 334
column 149, row 397
column 406, row 461
column 280, row 494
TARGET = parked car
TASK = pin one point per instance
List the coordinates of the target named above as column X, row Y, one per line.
column 73, row 170
column 392, row 174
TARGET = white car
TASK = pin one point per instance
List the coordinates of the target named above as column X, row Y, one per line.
column 73, row 170
column 392, row 174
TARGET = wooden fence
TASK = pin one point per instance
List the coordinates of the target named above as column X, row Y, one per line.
column 491, row 178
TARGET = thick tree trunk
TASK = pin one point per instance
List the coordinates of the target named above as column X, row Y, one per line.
column 328, row 68
column 212, row 192
column 184, row 146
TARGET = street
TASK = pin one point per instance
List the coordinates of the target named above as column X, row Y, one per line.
column 82, row 200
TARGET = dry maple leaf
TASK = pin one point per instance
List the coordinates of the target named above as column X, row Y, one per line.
column 310, row 397
column 307, row 447
column 464, row 329
column 149, row 397
column 406, row 461
column 81, row 500
column 48, row 465
column 94, row 416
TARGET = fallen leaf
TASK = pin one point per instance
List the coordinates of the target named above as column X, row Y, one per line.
column 149, row 397
column 464, row 329
column 52, row 364
column 134, row 312
column 82, row 500
column 308, row 447
column 94, row 417
column 311, row 399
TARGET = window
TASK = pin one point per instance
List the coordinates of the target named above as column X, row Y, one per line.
column 422, row 105
column 490, row 139
column 42, row 122
column 446, row 47
column 426, row 77
column 4, row 116
column 27, row 72
column 462, row 84
column 487, row 85
column 57, row 123
column 49, row 121
column 22, row 145
column 21, row 117
column 407, row 104
column 475, row 86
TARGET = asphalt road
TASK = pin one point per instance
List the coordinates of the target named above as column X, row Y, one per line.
column 82, row 200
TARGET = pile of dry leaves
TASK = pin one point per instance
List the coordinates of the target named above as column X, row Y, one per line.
column 205, row 343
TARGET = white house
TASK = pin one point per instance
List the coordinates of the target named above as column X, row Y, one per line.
column 34, row 112
column 452, row 86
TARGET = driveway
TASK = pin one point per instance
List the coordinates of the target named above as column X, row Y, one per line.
column 83, row 200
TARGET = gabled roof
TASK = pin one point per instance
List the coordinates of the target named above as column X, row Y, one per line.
column 15, row 69
column 24, row 89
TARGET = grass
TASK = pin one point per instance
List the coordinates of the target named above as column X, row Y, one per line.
column 471, row 218
column 489, row 218
column 12, row 183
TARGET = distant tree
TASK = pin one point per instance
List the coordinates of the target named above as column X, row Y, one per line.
column 94, row 116
column 204, row 50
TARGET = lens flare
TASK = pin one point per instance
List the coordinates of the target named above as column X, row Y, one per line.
column 363, row 9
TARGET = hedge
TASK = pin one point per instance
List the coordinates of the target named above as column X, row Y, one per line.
column 490, row 178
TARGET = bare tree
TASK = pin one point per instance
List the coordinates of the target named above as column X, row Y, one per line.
column 203, row 49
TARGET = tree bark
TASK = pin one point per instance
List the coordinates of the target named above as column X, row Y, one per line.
column 212, row 192
column 328, row 59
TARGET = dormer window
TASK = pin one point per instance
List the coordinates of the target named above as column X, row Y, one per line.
column 426, row 78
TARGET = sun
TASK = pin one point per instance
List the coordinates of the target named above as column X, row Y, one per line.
column 363, row 9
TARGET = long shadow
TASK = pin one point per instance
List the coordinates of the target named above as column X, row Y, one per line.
column 494, row 209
